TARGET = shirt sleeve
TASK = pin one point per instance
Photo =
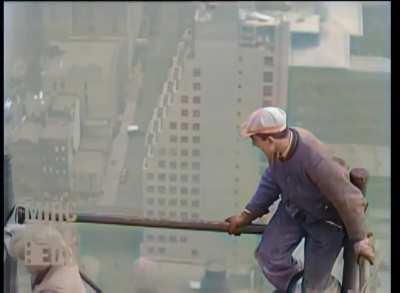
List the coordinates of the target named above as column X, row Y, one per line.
column 333, row 181
column 267, row 192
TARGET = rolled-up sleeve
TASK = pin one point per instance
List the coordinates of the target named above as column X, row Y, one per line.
column 334, row 183
column 267, row 192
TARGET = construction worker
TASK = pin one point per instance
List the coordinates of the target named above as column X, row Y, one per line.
column 318, row 203
column 45, row 277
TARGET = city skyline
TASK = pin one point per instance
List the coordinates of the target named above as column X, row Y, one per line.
column 186, row 75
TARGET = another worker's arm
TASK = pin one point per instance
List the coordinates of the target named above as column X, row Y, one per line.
column 267, row 192
column 334, row 183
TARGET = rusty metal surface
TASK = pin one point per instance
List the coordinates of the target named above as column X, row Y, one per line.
column 102, row 218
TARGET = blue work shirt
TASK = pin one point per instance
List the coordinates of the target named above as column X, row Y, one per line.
column 312, row 187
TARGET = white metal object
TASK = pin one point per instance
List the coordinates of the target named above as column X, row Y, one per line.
column 133, row 128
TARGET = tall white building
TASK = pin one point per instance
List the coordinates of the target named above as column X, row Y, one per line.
column 197, row 168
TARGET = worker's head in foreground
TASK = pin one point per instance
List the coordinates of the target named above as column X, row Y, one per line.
column 268, row 130
column 29, row 236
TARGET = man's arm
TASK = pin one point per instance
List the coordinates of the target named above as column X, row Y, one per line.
column 334, row 183
column 267, row 192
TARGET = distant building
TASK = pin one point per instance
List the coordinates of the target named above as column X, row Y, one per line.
column 196, row 167
column 85, row 21
column 35, row 107
column 96, row 77
column 44, row 144
column 88, row 173
column 68, row 19
column 26, row 160
column 56, row 155
column 263, row 56
column 320, row 31
column 97, row 137
column 63, row 107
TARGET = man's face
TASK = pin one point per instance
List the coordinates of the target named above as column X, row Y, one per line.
column 268, row 146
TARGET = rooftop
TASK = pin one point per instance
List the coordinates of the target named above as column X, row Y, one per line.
column 333, row 50
column 94, row 144
column 303, row 23
column 88, row 162
column 96, row 53
column 256, row 19
column 63, row 102
column 348, row 15
column 36, row 104
column 56, row 131
column 28, row 131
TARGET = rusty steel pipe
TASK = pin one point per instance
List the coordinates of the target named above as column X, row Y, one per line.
column 101, row 218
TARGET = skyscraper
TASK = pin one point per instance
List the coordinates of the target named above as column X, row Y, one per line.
column 229, row 62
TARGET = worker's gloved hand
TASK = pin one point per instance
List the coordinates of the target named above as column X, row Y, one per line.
column 237, row 222
column 365, row 248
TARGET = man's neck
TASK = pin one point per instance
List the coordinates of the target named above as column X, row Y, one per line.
column 285, row 147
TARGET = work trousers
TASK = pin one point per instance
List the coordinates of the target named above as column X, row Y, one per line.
column 282, row 235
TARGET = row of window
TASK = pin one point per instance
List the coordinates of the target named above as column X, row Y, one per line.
column 174, row 152
column 185, row 165
column 267, row 89
column 174, row 177
column 185, row 113
column 62, row 85
column 184, row 139
column 161, row 250
column 196, row 99
column 164, row 238
column 172, row 215
column 173, row 164
column 184, row 126
column 62, row 159
column 173, row 202
column 50, row 170
column 268, row 60
column 173, row 190
column 61, row 148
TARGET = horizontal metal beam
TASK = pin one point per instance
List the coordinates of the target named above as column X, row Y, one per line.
column 102, row 218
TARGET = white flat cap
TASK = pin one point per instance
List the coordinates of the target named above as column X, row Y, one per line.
column 268, row 120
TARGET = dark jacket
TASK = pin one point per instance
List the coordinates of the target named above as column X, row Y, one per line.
column 313, row 187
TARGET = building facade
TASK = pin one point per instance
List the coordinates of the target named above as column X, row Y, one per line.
column 56, row 158
column 196, row 167
column 85, row 21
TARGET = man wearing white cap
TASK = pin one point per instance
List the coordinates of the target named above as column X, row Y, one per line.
column 47, row 278
column 318, row 203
